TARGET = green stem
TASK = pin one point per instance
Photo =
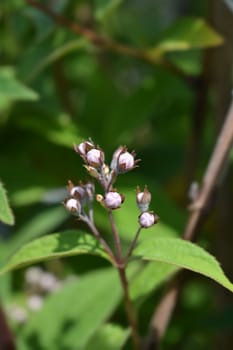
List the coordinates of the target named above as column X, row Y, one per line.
column 133, row 244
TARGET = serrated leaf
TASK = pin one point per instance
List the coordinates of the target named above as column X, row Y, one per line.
column 108, row 337
column 187, row 34
column 73, row 314
column 183, row 254
column 149, row 278
column 52, row 246
column 42, row 223
column 6, row 215
column 11, row 88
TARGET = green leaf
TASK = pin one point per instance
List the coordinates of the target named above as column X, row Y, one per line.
column 108, row 337
column 39, row 57
column 187, row 34
column 12, row 89
column 57, row 245
column 59, row 130
column 27, row 195
column 149, row 278
column 183, row 254
column 42, row 223
column 72, row 315
column 104, row 8
column 6, row 215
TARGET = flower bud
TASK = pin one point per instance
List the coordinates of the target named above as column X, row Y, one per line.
column 125, row 162
column 92, row 171
column 147, row 219
column 115, row 157
column 113, row 200
column 78, row 192
column 95, row 157
column 73, row 205
column 84, row 147
column 122, row 160
column 143, row 199
column 100, row 199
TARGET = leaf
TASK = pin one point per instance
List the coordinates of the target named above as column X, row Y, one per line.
column 42, row 223
column 108, row 337
column 39, row 57
column 72, row 315
column 6, row 214
column 183, row 254
column 57, row 245
column 11, row 88
column 27, row 195
column 150, row 277
column 59, row 130
column 186, row 34
column 104, row 8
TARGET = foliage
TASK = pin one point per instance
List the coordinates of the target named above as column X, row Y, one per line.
column 125, row 79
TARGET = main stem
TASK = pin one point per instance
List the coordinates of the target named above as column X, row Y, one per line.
column 130, row 311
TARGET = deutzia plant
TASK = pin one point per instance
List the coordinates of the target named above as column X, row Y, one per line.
column 80, row 200
column 165, row 256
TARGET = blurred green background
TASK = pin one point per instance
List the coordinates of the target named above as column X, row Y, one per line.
column 167, row 101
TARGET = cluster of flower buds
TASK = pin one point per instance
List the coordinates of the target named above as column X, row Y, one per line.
column 94, row 158
column 79, row 197
column 146, row 218
column 122, row 162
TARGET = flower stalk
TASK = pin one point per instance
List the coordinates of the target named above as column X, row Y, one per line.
column 80, row 204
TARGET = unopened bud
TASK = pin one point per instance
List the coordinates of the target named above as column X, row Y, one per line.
column 147, row 219
column 73, row 205
column 125, row 162
column 95, row 157
column 78, row 192
column 122, row 160
column 84, row 147
column 113, row 200
column 35, row 302
column 100, row 199
column 143, row 199
column 92, row 171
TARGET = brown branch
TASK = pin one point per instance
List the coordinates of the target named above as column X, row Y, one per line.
column 111, row 45
column 163, row 313
column 6, row 336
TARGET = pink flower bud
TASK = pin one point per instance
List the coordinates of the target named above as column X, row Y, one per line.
column 143, row 199
column 113, row 200
column 84, row 147
column 125, row 162
column 122, row 161
column 95, row 157
column 73, row 206
column 78, row 191
column 147, row 219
